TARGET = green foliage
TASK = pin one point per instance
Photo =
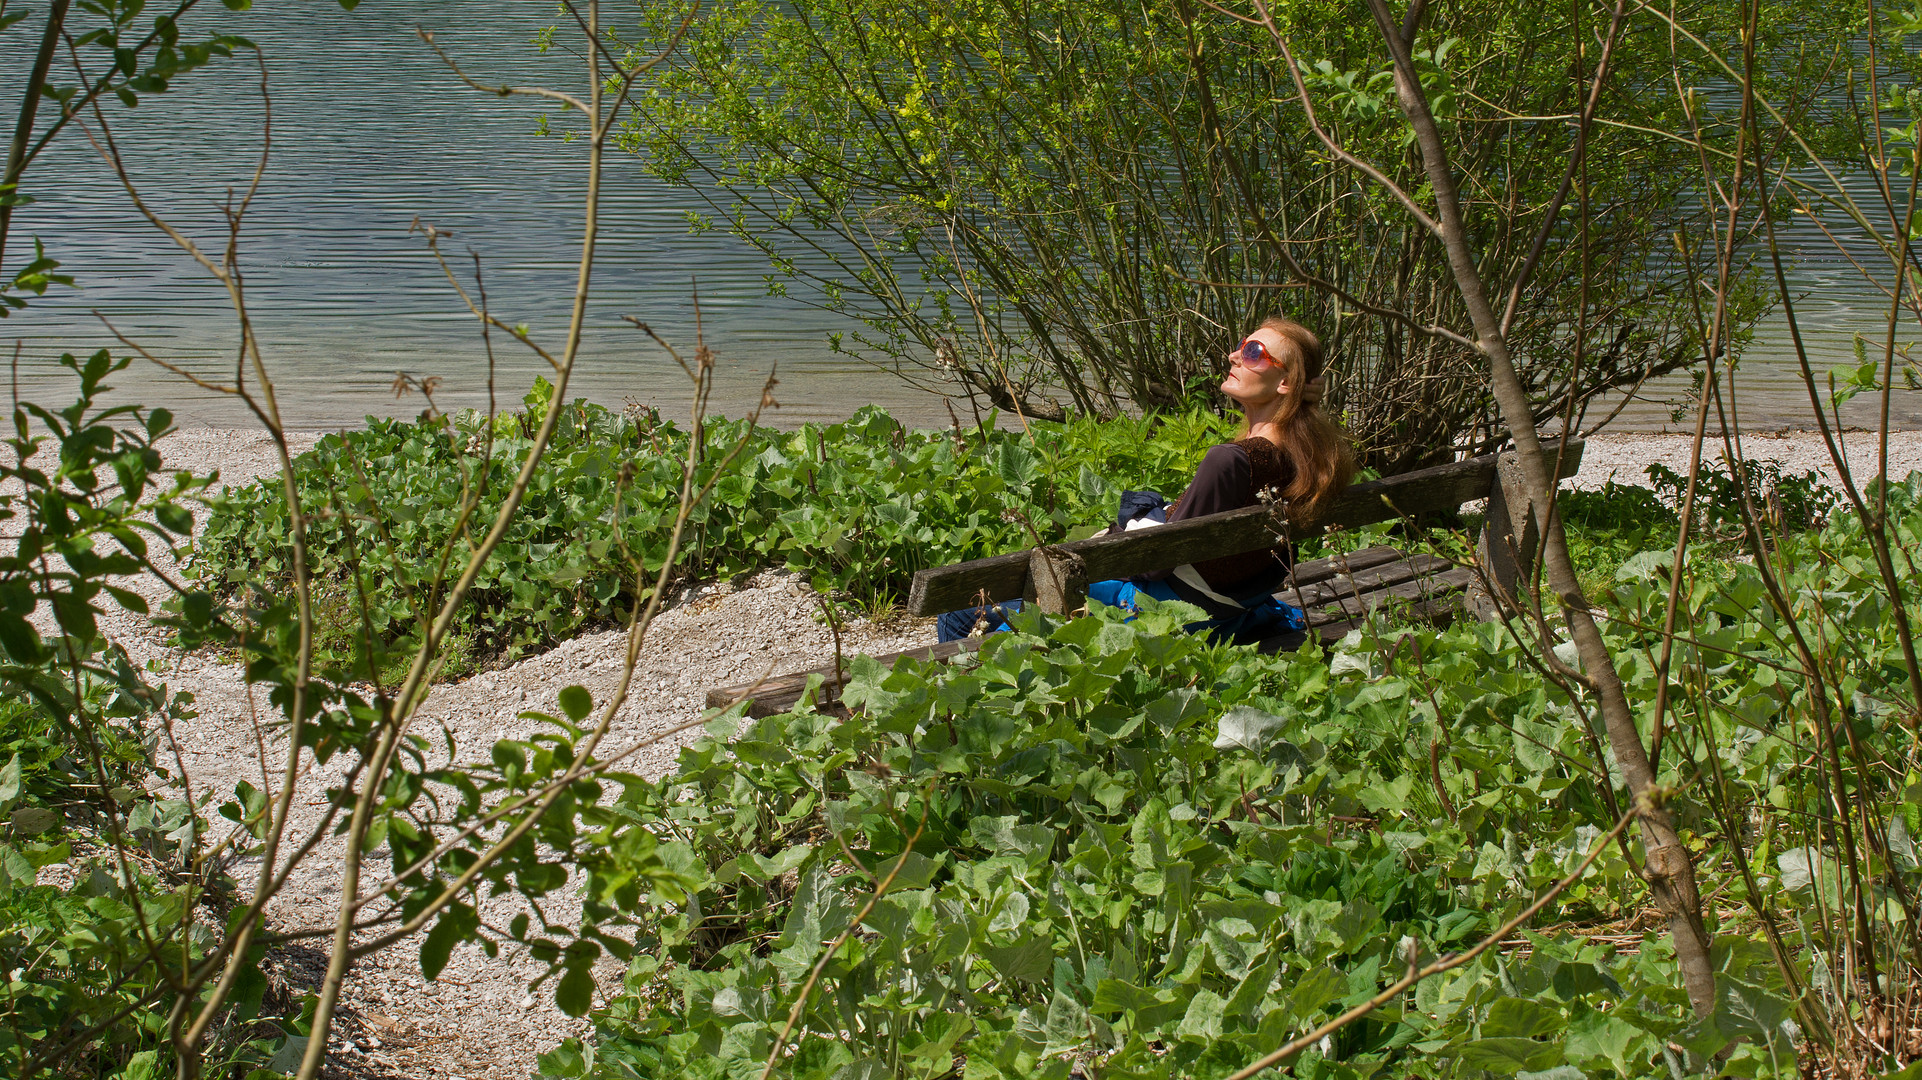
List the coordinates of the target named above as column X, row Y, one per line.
column 1739, row 666
column 44, row 767
column 1606, row 527
column 1624, row 508
column 1115, row 845
column 86, row 515
column 1609, row 526
column 859, row 506
column 34, row 277
column 1062, row 201
column 81, row 974
column 1112, row 843
column 1786, row 500
column 86, row 965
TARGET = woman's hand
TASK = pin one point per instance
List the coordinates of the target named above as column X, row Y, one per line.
column 1313, row 389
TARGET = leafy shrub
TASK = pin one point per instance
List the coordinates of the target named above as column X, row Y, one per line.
column 41, row 767
column 79, row 972
column 1616, row 506
column 1788, row 500
column 88, row 967
column 1118, row 849
column 1112, row 843
column 1605, row 528
column 860, row 506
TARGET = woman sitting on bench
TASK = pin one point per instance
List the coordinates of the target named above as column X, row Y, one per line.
column 1288, row 447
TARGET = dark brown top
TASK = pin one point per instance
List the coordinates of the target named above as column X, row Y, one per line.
column 1230, row 476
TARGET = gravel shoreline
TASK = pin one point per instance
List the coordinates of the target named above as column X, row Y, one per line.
column 478, row 1020
column 1625, row 457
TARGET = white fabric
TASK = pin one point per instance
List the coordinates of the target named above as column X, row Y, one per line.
column 1186, row 572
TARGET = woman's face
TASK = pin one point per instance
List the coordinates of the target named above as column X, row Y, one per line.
column 1250, row 387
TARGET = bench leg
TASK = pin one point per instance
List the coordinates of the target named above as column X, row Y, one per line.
column 1510, row 536
column 1057, row 581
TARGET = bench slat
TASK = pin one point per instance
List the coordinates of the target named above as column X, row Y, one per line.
column 1438, row 611
column 1423, row 589
column 1316, row 571
column 1004, row 577
column 1364, row 579
column 778, row 694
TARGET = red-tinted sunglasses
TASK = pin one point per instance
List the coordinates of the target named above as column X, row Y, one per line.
column 1255, row 356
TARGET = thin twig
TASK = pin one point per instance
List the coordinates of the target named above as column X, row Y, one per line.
column 807, row 988
column 1415, row 975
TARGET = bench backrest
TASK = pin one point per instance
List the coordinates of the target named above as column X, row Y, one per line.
column 1101, row 558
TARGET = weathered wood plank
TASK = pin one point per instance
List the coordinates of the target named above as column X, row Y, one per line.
column 1003, row 577
column 1440, row 611
column 1423, row 589
column 779, row 693
column 1364, row 579
column 1315, row 571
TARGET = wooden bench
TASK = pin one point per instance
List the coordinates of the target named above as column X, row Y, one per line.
column 1337, row 592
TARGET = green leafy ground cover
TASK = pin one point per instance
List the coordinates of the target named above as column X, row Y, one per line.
column 859, row 506
column 1115, row 845
column 84, row 966
column 1115, row 842
column 1112, row 845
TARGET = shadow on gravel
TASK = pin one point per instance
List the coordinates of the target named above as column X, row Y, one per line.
column 363, row 1045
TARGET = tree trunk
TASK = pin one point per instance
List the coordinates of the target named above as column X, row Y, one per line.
column 1668, row 869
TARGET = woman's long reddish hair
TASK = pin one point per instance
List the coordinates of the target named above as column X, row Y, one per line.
column 1315, row 445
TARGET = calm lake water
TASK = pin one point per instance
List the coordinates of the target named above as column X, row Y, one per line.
column 371, row 132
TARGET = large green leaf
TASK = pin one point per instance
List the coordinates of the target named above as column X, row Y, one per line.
column 1244, row 728
column 1066, row 1025
column 9, row 783
column 1596, row 1036
column 1744, row 1011
column 1507, row 1056
column 1315, row 990
column 1202, row 1021
column 818, row 912
column 1523, row 1018
column 1027, row 960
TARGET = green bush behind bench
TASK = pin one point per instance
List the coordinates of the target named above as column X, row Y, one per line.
column 859, row 506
